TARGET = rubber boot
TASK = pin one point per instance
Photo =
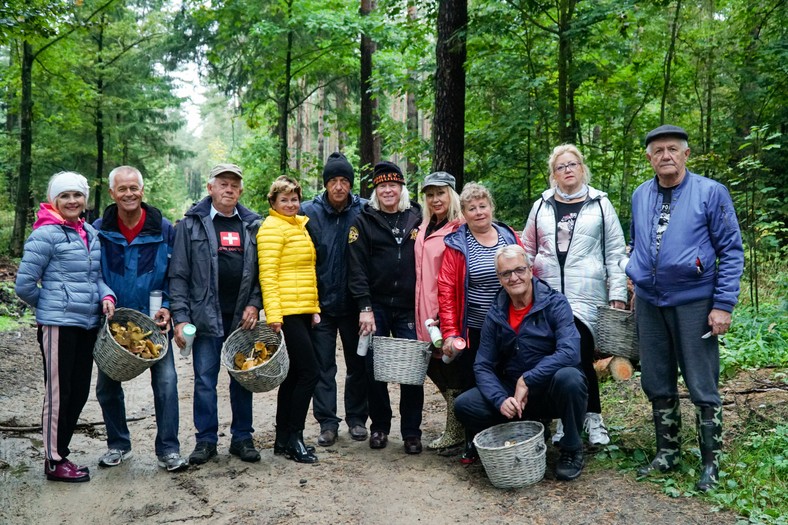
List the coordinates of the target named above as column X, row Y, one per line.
column 709, row 424
column 454, row 433
column 280, row 443
column 297, row 450
column 667, row 424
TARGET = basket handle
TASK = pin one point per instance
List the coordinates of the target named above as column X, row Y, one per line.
column 540, row 447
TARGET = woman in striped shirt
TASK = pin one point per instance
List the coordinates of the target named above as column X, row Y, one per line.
column 468, row 282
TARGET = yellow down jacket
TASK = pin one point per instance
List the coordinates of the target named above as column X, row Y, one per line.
column 287, row 267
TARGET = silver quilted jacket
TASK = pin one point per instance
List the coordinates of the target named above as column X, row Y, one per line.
column 588, row 278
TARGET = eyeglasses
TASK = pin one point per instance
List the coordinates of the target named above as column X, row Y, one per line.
column 563, row 167
column 520, row 272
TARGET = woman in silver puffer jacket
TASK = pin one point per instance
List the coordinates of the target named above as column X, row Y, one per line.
column 574, row 242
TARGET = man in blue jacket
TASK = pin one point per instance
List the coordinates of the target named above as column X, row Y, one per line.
column 136, row 243
column 528, row 362
column 686, row 262
column 331, row 214
column 214, row 285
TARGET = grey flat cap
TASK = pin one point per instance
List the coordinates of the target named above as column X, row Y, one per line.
column 232, row 169
column 666, row 131
column 439, row 178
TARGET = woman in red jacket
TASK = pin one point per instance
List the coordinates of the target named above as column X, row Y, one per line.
column 467, row 284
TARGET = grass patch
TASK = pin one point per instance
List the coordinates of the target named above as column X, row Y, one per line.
column 8, row 323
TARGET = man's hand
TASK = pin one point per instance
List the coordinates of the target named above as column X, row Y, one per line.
column 249, row 318
column 178, row 335
column 511, row 408
column 719, row 321
column 162, row 320
column 521, row 393
column 366, row 323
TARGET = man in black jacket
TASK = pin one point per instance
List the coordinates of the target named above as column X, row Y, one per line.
column 330, row 216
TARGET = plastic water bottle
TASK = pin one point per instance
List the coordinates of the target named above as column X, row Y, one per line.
column 458, row 344
column 435, row 333
column 363, row 344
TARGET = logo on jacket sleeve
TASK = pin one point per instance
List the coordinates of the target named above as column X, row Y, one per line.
column 414, row 233
column 352, row 235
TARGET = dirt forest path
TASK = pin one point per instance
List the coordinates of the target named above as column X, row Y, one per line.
column 351, row 484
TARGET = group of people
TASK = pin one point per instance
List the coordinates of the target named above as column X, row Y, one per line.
column 517, row 313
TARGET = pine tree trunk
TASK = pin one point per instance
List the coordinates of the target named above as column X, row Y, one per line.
column 369, row 147
column 23, row 197
column 448, row 132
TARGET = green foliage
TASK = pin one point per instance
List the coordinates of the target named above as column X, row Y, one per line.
column 754, row 482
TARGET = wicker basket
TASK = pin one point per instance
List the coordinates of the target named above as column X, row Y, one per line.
column 117, row 362
column 266, row 376
column 401, row 361
column 616, row 332
column 520, row 463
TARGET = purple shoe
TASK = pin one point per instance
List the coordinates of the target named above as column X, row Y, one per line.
column 65, row 471
column 80, row 468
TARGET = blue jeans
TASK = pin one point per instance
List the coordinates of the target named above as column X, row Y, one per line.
column 324, row 402
column 565, row 397
column 397, row 323
column 207, row 362
column 164, row 382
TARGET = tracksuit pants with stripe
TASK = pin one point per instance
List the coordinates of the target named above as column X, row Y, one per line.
column 68, row 365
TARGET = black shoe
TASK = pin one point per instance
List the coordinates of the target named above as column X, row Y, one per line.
column 378, row 440
column 471, row 455
column 244, row 449
column 570, row 464
column 327, row 438
column 297, row 451
column 203, row 451
column 358, row 433
column 413, row 445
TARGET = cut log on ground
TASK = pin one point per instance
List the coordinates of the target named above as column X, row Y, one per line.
column 601, row 368
column 621, row 368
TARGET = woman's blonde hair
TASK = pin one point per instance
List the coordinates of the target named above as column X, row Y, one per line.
column 473, row 191
column 283, row 184
column 402, row 205
column 455, row 209
column 560, row 150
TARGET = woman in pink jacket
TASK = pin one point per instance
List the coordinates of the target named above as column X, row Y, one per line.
column 441, row 216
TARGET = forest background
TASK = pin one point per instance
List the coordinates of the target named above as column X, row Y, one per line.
column 483, row 89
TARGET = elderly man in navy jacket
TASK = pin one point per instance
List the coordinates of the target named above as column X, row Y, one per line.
column 686, row 262
column 527, row 365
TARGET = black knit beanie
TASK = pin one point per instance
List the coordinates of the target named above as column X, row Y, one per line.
column 337, row 166
column 387, row 172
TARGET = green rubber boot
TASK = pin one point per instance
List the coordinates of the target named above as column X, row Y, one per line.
column 708, row 421
column 667, row 423
column 454, row 433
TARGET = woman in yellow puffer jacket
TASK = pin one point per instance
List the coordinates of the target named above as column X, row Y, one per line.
column 287, row 277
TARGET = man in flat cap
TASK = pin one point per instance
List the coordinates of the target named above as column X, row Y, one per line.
column 214, row 286
column 686, row 262
column 331, row 213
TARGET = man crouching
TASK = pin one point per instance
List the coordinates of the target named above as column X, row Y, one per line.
column 527, row 366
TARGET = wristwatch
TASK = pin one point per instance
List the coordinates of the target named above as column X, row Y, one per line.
column 366, row 309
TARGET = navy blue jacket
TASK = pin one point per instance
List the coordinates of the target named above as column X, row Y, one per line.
column 701, row 254
column 329, row 231
column 546, row 342
column 133, row 270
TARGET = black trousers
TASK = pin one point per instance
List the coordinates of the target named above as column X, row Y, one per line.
column 295, row 393
column 587, row 362
column 68, row 365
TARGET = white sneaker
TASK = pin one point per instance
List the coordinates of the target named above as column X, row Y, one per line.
column 595, row 427
column 114, row 457
column 559, row 432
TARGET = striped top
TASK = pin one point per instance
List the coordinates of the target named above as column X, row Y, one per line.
column 483, row 281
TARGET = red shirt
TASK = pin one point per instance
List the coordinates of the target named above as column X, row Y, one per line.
column 131, row 233
column 516, row 316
